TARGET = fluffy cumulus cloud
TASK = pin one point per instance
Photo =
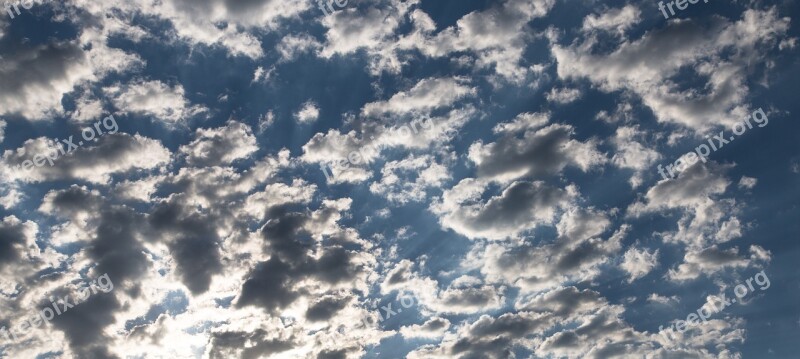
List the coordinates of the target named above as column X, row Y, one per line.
column 639, row 262
column 395, row 178
column 220, row 145
column 308, row 113
column 36, row 77
column 529, row 147
column 113, row 153
column 717, row 50
column 633, row 152
column 223, row 23
column 563, row 95
column 426, row 95
column 615, row 20
column 152, row 98
column 518, row 208
column 397, row 187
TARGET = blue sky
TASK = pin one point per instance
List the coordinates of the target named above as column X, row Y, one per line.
column 527, row 218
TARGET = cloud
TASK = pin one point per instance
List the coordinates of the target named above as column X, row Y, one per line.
column 633, row 152
column 495, row 35
column 460, row 297
column 563, row 95
column 199, row 22
column 747, row 182
column 112, row 154
column 18, row 242
column 221, row 239
column 36, row 77
column 431, row 329
column 220, row 146
column 539, row 267
column 397, row 185
column 717, row 52
column 153, row 98
column 639, row 262
column 87, row 109
column 538, row 153
column 705, row 218
column 519, row 208
column 712, row 259
column 291, row 46
column 349, row 30
column 656, row 298
column 308, row 114
column 371, row 140
column 427, row 95
column 614, row 20
column 272, row 283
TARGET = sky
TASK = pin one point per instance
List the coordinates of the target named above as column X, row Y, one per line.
column 399, row 179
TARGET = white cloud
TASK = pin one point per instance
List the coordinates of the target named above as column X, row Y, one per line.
column 153, row 98
column 617, row 20
column 308, row 114
column 232, row 25
column 747, row 182
column 428, row 94
column 373, row 139
column 433, row 328
column 87, row 109
column 220, row 146
column 396, row 182
column 660, row 299
column 633, row 153
column 710, row 260
column 563, row 95
column 639, row 262
column 292, row 46
column 495, row 35
column 647, row 65
column 139, row 190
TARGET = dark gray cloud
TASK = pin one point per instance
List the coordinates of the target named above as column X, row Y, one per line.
column 326, row 308
column 116, row 249
column 520, row 207
column 269, row 285
column 52, row 67
column 12, row 237
column 192, row 240
column 83, row 325
column 246, row 345
column 218, row 253
column 115, row 246
column 288, row 240
column 538, row 153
